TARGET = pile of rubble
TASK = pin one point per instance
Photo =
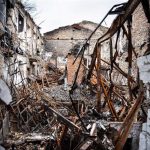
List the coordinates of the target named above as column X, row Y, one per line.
column 48, row 116
column 45, row 118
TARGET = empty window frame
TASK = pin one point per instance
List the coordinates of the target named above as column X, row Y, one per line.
column 20, row 23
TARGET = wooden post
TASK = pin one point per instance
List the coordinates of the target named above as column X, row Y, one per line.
column 129, row 58
column 98, row 105
column 128, row 122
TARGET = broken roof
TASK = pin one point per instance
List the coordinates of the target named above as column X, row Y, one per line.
column 78, row 26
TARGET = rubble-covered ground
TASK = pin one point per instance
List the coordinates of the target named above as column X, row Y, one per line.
column 49, row 117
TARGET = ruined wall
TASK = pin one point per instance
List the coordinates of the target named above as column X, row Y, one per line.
column 140, row 36
column 61, row 40
column 140, row 30
column 26, row 34
column 71, row 69
column 25, row 39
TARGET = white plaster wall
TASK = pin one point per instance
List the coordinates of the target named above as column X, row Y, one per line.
column 22, row 68
column 144, row 68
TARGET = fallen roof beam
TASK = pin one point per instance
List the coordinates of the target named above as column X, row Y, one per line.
column 128, row 122
column 62, row 118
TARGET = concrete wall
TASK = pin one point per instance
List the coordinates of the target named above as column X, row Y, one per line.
column 144, row 143
column 143, row 63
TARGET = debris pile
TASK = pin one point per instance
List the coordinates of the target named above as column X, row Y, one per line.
column 50, row 121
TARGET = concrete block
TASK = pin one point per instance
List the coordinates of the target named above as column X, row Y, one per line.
column 144, row 68
column 148, row 130
column 5, row 94
column 144, row 76
column 2, row 148
column 143, row 138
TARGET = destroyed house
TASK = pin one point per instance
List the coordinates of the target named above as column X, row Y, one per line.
column 21, row 42
column 59, row 41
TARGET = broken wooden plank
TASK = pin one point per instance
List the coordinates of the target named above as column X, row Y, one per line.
column 62, row 118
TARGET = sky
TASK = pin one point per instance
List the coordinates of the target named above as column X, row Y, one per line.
column 52, row 14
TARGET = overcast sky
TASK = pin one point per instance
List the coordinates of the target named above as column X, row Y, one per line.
column 52, row 14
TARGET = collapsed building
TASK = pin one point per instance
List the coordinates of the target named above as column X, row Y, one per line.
column 20, row 35
column 105, row 106
column 21, row 51
column 59, row 42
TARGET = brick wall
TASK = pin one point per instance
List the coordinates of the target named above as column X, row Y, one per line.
column 71, row 70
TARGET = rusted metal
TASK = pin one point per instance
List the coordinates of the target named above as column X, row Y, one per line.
column 109, row 102
column 98, row 80
column 62, row 118
column 62, row 135
column 77, row 113
column 129, row 57
column 119, row 70
column 128, row 122
column 84, row 46
column 94, row 55
column 120, row 20
column 110, row 72
column 35, row 110
column 117, row 24
column 125, row 32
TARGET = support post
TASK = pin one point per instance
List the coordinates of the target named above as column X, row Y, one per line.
column 98, row 105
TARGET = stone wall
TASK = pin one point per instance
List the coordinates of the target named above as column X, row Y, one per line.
column 140, row 35
column 24, row 38
column 61, row 40
column 140, row 30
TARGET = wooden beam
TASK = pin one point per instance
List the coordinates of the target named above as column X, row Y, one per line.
column 128, row 122
column 98, row 69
